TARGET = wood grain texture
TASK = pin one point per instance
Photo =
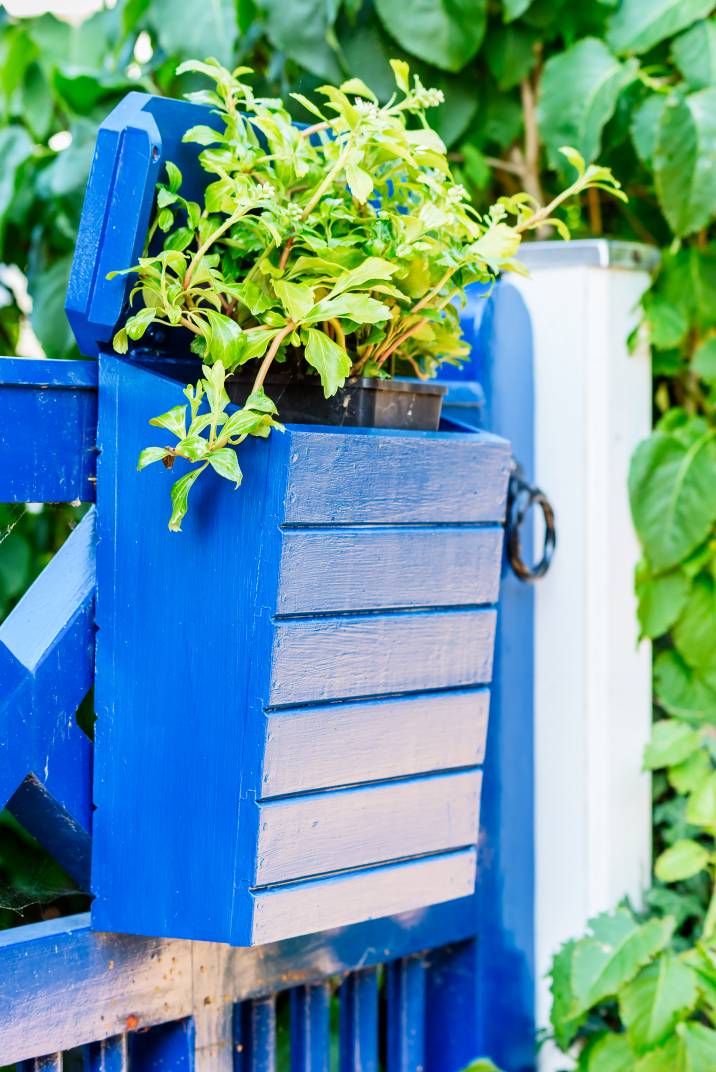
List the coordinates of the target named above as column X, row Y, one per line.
column 377, row 654
column 380, row 476
column 289, row 911
column 310, row 1028
column 406, row 1015
column 114, row 976
column 375, row 568
column 343, row 744
column 48, row 427
column 320, row 833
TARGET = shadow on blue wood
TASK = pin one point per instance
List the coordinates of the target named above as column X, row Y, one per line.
column 48, row 428
column 46, row 669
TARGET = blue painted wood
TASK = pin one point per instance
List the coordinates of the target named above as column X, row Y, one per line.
column 500, row 335
column 310, row 1028
column 406, row 1014
column 335, row 569
column 316, row 834
column 344, row 744
column 46, row 669
column 379, row 654
column 218, row 699
column 133, row 142
column 169, row 1047
column 255, row 1035
column 359, row 1022
column 451, row 1029
column 443, row 484
column 48, row 424
column 112, row 977
column 108, row 1055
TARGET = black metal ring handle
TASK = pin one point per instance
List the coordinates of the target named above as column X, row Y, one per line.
column 520, row 498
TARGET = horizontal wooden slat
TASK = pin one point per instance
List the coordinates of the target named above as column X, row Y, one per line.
column 342, row 744
column 113, row 977
column 324, row 832
column 375, row 654
column 375, row 568
column 48, row 428
column 412, row 477
column 289, row 911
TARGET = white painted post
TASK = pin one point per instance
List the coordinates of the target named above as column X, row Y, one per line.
column 593, row 684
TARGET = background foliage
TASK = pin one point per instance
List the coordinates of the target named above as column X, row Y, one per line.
column 629, row 81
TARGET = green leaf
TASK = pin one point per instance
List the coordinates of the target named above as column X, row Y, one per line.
column 661, row 599
column 689, row 775
column 174, row 420
column 703, row 361
column 684, row 170
column 578, row 95
column 565, row 1017
column 174, row 176
column 694, row 54
column 701, row 807
column 360, row 183
column 329, row 359
column 651, row 1005
column 510, row 54
column 296, row 298
column 514, row 8
column 667, row 321
column 180, row 496
column 213, row 28
column 226, row 464
column 136, row 325
column 618, row 948
column 224, row 342
column 680, row 691
column 693, row 633
column 15, row 148
column 682, row 860
column 637, row 26
column 304, row 31
column 644, row 126
column 446, row 33
column 359, row 307
column 48, row 287
column 150, row 455
column 672, row 489
column 610, row 1053
column 260, row 401
column 371, row 270
column 671, row 742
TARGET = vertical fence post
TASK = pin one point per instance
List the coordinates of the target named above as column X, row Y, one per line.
column 592, row 683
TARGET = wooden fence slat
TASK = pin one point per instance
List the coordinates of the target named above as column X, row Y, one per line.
column 405, row 994
column 255, row 1035
column 359, row 1022
column 310, row 1028
column 109, row 1055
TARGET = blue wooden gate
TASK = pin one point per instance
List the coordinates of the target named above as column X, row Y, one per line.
column 431, row 989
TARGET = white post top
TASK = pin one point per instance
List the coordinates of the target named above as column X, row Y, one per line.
column 589, row 253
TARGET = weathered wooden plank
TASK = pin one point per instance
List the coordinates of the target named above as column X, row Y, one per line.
column 405, row 989
column 374, row 475
column 359, row 1022
column 48, row 426
column 310, row 1028
column 334, row 658
column 343, row 744
column 292, row 910
column 319, row 833
column 46, row 669
column 365, row 568
column 119, row 981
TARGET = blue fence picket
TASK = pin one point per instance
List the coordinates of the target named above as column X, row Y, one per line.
column 359, row 1022
column 405, row 996
column 109, row 1055
column 310, row 1028
column 255, row 1035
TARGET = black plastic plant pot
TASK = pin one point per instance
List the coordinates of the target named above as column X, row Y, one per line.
column 362, row 403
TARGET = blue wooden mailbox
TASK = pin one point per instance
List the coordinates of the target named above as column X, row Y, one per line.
column 292, row 694
column 292, row 709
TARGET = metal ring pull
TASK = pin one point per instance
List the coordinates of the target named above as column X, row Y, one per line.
column 521, row 497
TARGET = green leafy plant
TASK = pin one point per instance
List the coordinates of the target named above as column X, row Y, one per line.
column 343, row 244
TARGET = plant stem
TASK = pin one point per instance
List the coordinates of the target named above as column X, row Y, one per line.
column 318, row 194
column 228, row 222
column 271, row 353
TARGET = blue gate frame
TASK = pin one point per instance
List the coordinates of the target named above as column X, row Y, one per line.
column 430, row 989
